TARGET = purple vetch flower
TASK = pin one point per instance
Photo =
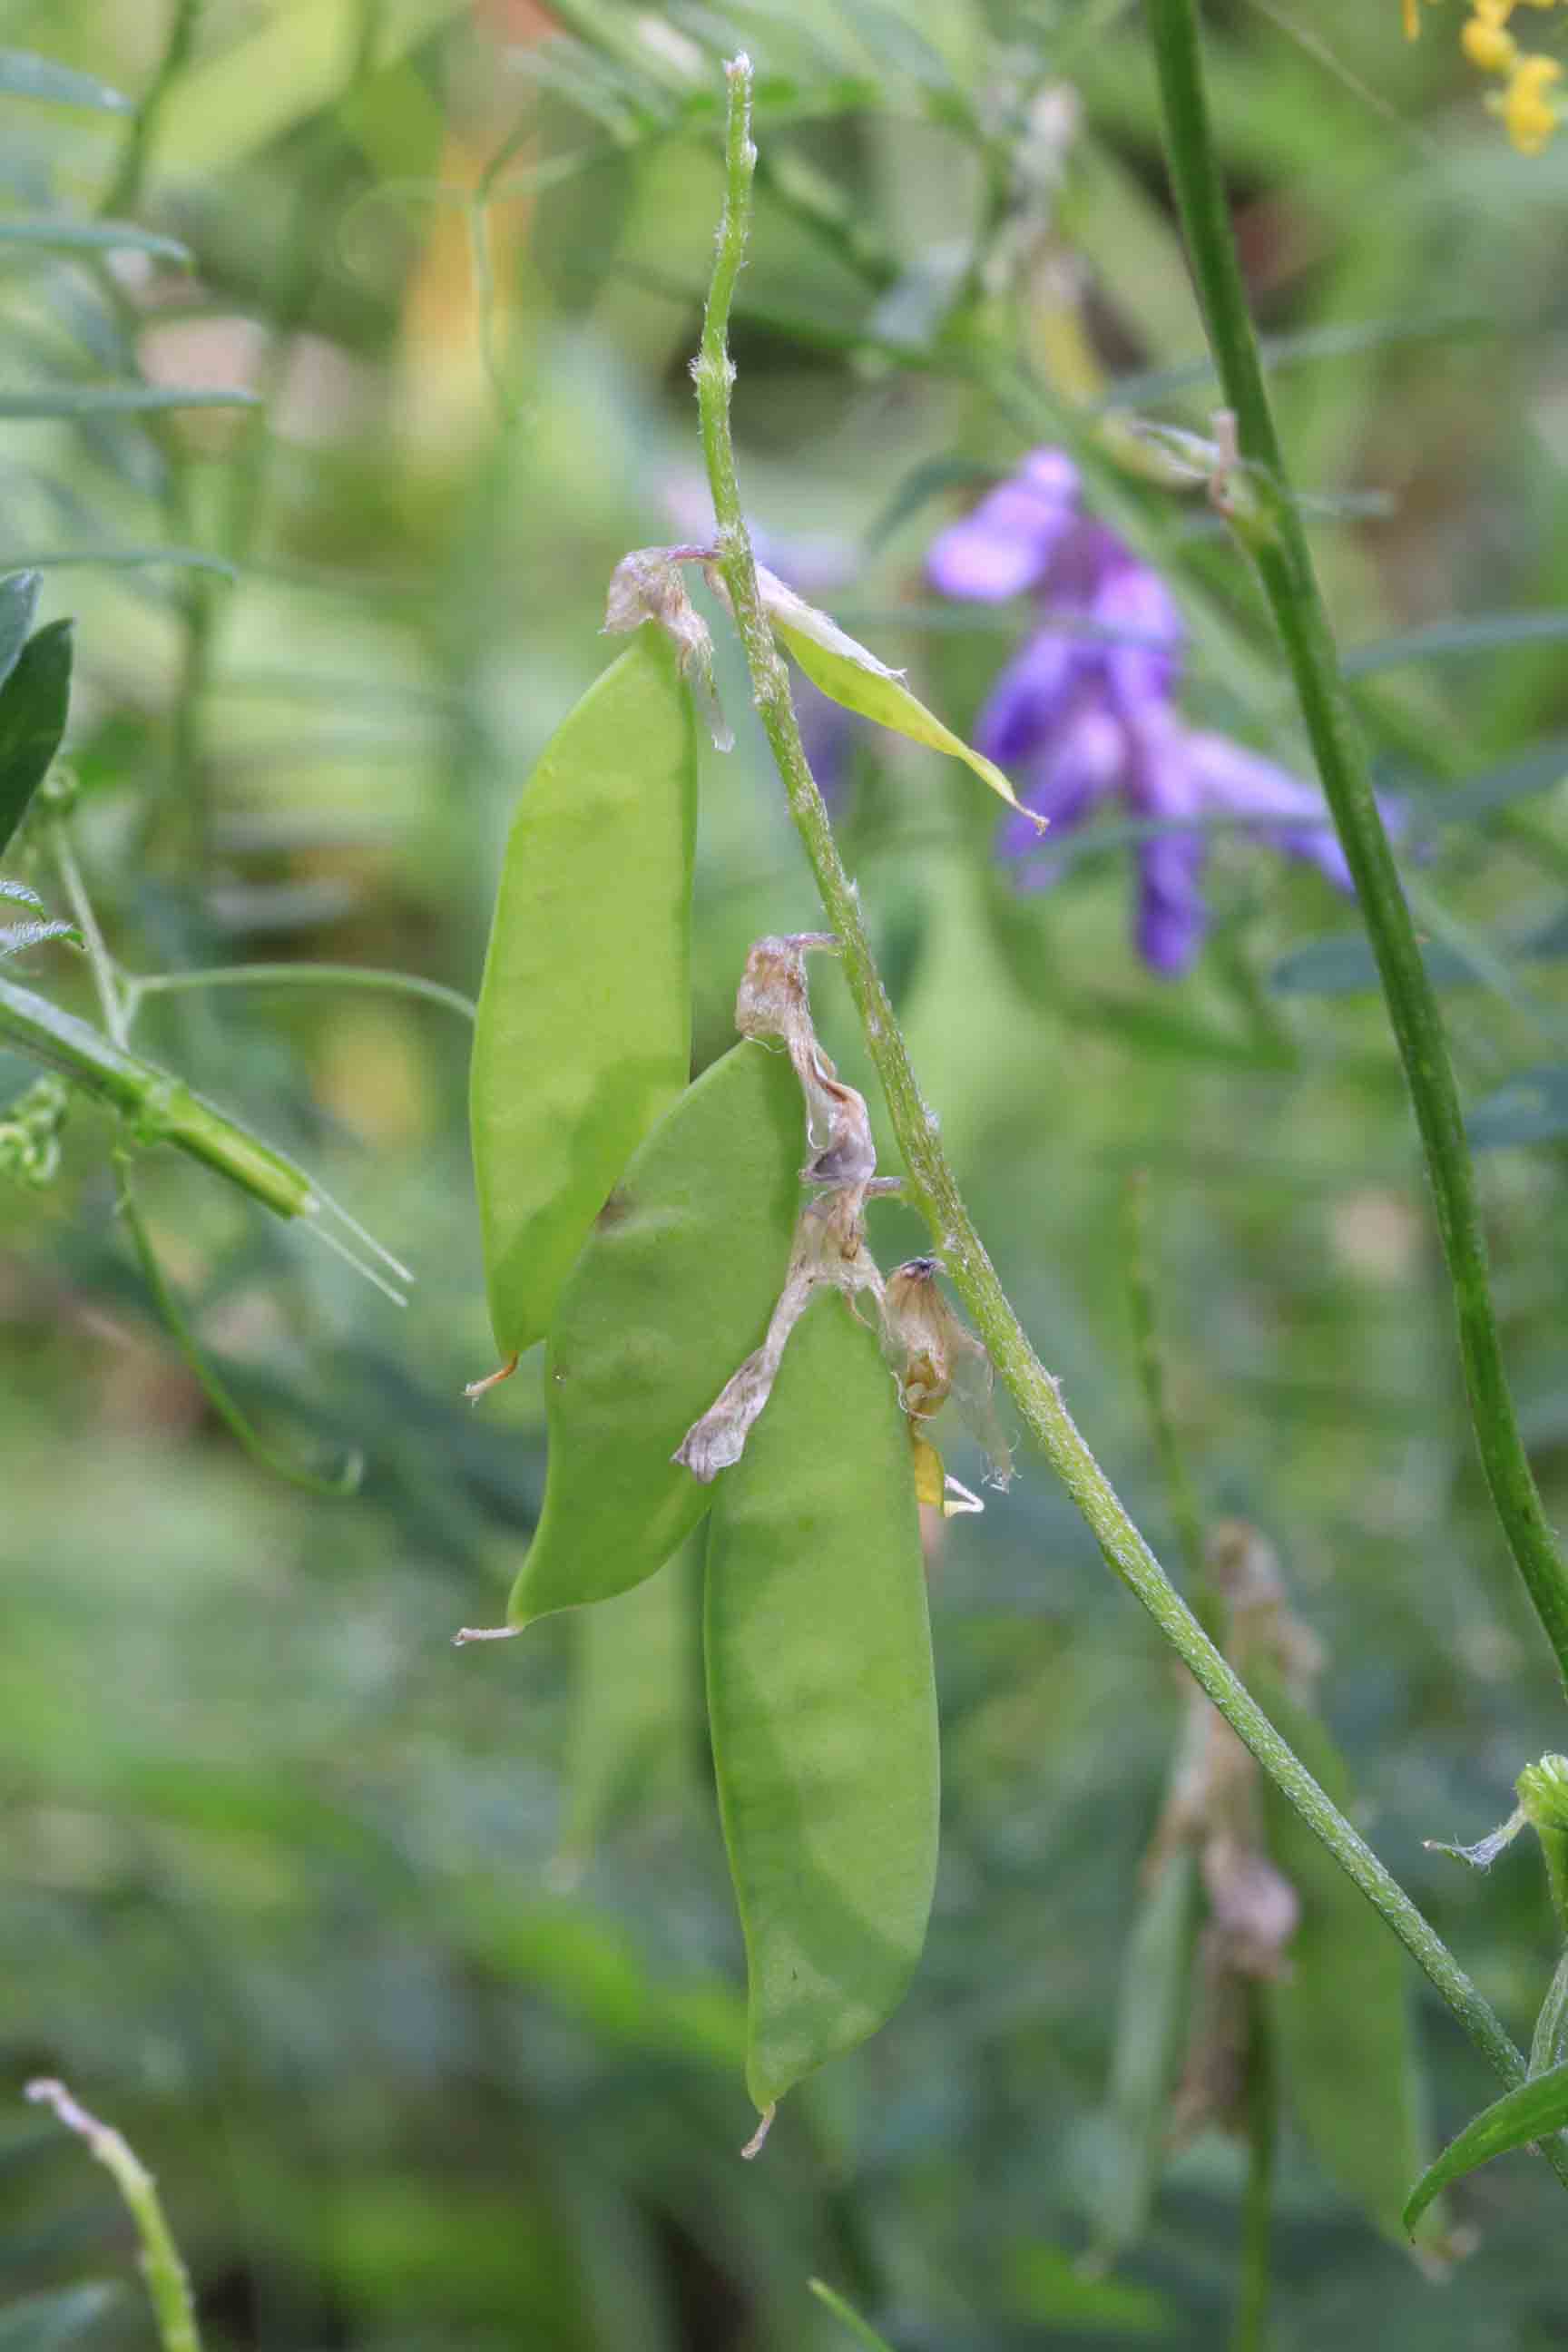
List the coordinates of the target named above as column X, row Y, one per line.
column 1086, row 711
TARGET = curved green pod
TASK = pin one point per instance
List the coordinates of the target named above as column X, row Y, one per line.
column 583, row 1036
column 822, row 1702
column 673, row 1290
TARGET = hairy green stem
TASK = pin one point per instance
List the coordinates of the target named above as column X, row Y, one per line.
column 168, row 2281
column 931, row 1189
column 159, row 1109
column 1283, row 559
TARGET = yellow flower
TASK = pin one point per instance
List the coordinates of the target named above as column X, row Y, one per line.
column 1527, row 113
column 1487, row 44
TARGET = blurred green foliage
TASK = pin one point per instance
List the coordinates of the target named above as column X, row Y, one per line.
column 412, row 1974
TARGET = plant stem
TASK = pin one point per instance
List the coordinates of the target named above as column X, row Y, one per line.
column 298, row 975
column 931, row 1189
column 123, row 193
column 158, row 1108
column 168, row 2281
column 1181, row 1500
column 345, row 1481
column 1249, row 2329
column 1284, row 564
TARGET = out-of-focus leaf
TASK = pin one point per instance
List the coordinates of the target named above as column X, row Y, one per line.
column 919, row 487
column 1529, row 2112
column 34, row 702
column 1048, row 2286
column 1156, row 1973
column 38, row 2323
column 18, row 602
column 897, row 44
column 1476, row 633
column 1535, row 772
column 132, row 559
column 40, row 402
column 65, row 235
column 1341, row 2015
column 848, row 2317
column 24, row 74
column 15, row 939
column 1346, row 967
column 1530, row 1109
column 285, row 65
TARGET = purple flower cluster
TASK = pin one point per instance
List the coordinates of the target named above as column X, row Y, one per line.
column 1085, row 712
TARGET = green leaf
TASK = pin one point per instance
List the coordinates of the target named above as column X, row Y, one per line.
column 1342, row 2017
column 24, row 74
column 1475, row 632
column 66, row 400
column 39, row 2322
column 18, row 602
column 1531, row 2110
column 1150, row 2023
column 16, row 937
column 132, row 558
column 63, row 234
column 673, row 1290
column 848, row 674
column 1532, row 1107
column 822, row 1703
column 924, row 482
column 1346, row 967
column 1044, row 2285
column 583, row 1037
column 860, row 2329
column 34, row 701
column 1537, row 771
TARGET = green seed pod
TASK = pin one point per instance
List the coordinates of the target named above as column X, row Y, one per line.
column 583, row 1037
column 674, row 1286
column 822, row 1703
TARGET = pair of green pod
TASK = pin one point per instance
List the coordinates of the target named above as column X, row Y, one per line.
column 643, row 1226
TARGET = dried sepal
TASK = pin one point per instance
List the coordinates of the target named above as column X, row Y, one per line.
column 938, row 1359
column 650, row 586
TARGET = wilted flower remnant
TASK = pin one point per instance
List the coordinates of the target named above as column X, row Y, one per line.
column 1253, row 1910
column 930, row 1353
column 1085, row 712
column 1528, row 115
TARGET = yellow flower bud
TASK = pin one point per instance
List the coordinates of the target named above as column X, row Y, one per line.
column 1486, row 45
column 1527, row 112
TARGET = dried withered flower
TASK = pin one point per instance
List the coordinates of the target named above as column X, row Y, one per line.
column 774, row 1002
column 648, row 585
column 937, row 1359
